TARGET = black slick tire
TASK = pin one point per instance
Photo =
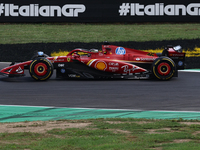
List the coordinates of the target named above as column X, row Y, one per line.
column 41, row 69
column 163, row 68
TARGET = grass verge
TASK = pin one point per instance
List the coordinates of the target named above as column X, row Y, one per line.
column 58, row 33
column 101, row 134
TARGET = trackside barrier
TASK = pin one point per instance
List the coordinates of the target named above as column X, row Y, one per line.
column 34, row 11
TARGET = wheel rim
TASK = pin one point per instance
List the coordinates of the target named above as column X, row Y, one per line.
column 40, row 69
column 164, row 69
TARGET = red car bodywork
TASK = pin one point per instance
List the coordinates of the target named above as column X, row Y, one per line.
column 111, row 62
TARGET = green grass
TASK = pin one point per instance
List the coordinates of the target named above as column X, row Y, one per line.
column 37, row 33
column 110, row 134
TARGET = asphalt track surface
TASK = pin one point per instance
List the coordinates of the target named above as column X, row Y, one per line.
column 178, row 94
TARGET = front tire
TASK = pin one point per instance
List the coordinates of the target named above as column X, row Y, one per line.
column 41, row 69
column 163, row 68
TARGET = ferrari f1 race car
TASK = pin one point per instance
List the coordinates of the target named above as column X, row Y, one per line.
column 110, row 62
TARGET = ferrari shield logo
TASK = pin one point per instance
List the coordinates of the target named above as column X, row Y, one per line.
column 150, row 54
column 68, row 59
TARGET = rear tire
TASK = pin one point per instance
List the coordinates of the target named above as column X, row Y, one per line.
column 163, row 68
column 41, row 69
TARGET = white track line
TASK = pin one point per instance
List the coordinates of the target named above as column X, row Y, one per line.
column 190, row 70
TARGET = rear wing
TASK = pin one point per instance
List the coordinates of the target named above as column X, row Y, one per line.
column 176, row 54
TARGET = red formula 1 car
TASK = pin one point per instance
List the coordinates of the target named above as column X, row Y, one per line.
column 111, row 62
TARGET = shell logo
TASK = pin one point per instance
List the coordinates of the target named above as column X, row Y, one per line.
column 100, row 65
